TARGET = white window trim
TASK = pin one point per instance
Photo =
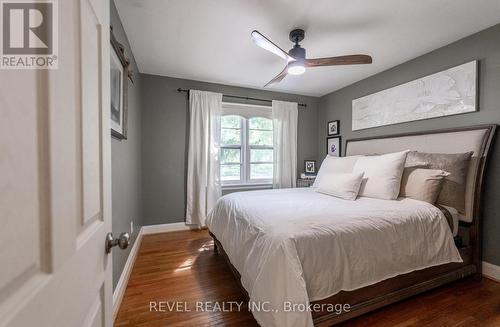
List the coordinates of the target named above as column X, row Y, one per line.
column 246, row 111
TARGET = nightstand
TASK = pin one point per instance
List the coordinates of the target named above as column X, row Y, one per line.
column 305, row 182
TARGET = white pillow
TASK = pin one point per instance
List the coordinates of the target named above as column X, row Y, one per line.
column 345, row 186
column 383, row 173
column 335, row 165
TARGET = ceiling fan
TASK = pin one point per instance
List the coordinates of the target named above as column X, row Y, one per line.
column 296, row 57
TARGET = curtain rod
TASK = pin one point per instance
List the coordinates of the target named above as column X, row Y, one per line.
column 244, row 98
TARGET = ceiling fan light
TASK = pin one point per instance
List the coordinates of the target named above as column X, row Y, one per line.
column 296, row 68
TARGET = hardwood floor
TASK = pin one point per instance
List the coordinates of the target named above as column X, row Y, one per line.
column 181, row 266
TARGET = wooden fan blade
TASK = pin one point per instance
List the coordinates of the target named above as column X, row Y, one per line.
column 266, row 44
column 278, row 77
column 340, row 60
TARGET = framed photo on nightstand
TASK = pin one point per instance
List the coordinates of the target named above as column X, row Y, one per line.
column 310, row 167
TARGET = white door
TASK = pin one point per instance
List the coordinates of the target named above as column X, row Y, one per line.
column 55, row 180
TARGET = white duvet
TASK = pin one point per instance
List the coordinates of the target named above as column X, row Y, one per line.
column 296, row 245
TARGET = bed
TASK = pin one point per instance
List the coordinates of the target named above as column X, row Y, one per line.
column 299, row 254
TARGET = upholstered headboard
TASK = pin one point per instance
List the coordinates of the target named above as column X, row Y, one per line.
column 455, row 140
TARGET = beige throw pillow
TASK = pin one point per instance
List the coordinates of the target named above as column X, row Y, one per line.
column 422, row 184
column 453, row 190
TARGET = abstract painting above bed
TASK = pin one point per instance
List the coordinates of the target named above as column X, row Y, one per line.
column 449, row 92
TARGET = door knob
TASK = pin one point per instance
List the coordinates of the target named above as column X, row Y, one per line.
column 122, row 241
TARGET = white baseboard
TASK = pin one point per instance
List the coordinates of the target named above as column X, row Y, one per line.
column 125, row 275
column 491, row 271
column 163, row 228
column 127, row 269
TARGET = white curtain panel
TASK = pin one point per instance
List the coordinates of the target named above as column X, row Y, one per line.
column 203, row 178
column 285, row 116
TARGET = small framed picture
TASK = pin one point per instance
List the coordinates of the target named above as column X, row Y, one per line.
column 333, row 127
column 310, row 167
column 333, row 146
column 119, row 71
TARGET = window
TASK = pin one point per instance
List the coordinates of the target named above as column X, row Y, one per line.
column 246, row 149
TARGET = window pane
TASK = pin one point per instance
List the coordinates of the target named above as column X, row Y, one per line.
column 230, row 136
column 230, row 121
column 261, row 171
column 230, row 156
column 230, row 172
column 261, row 155
column 261, row 123
column 261, row 137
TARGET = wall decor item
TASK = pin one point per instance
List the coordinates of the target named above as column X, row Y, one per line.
column 119, row 68
column 449, row 92
column 310, row 167
column 333, row 127
column 333, row 146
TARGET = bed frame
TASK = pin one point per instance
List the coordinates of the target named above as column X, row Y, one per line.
column 400, row 287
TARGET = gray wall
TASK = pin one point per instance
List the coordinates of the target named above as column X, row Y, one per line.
column 483, row 46
column 165, row 140
column 126, row 180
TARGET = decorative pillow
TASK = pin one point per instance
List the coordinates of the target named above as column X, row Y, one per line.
column 335, row 165
column 382, row 177
column 422, row 184
column 453, row 190
column 415, row 164
column 345, row 186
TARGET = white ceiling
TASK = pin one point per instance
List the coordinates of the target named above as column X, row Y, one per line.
column 209, row 40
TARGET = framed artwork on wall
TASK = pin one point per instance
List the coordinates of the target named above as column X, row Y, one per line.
column 333, row 127
column 333, row 146
column 119, row 74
